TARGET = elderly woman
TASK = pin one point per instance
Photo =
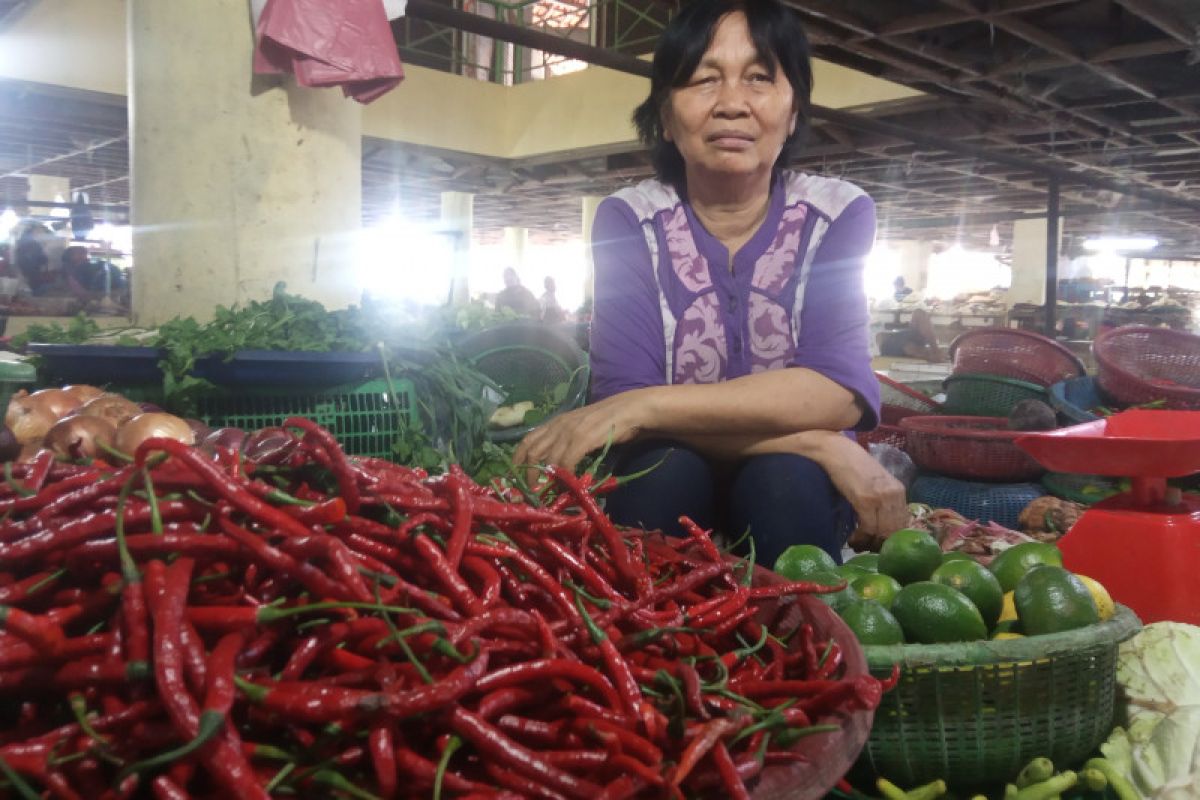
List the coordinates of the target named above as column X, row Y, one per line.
column 729, row 340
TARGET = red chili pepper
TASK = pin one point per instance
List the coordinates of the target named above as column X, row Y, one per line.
column 638, row 578
column 228, row 488
column 278, row 561
column 460, row 502
column 549, row 669
column 342, row 471
column 422, row 771
column 705, row 738
column 491, row 742
column 44, row 635
column 383, row 761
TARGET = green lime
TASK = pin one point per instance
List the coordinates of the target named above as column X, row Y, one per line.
column 882, row 588
column 851, row 573
column 1013, row 563
column 835, row 600
column 801, row 562
column 956, row 555
column 977, row 583
column 1049, row 599
column 930, row 613
column 872, row 623
column 909, row 555
column 868, row 561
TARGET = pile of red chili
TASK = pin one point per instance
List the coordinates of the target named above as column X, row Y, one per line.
column 191, row 624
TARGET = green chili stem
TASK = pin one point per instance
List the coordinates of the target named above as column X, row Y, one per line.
column 452, row 746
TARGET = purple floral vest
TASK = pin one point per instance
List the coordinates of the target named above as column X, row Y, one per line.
column 694, row 323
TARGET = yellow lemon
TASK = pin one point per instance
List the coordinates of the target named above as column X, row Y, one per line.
column 1008, row 609
column 1003, row 635
column 1104, row 602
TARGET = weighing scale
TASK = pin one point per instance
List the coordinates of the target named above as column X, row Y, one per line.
column 1144, row 544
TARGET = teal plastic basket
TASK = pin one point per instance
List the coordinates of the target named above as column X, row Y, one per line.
column 973, row 395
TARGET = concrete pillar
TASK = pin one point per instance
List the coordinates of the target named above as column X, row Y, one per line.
column 590, row 204
column 237, row 181
column 914, row 262
column 458, row 213
column 1029, row 262
column 516, row 242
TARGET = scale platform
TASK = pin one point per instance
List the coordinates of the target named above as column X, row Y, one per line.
column 1144, row 544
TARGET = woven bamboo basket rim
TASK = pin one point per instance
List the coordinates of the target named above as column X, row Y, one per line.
column 985, row 652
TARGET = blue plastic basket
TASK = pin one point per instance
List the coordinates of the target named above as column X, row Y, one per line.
column 96, row 364
column 1073, row 399
column 1001, row 503
column 288, row 368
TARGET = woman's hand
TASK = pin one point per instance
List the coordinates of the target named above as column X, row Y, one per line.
column 567, row 438
column 878, row 499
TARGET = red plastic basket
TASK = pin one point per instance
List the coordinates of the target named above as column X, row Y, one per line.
column 898, row 398
column 973, row 448
column 1011, row 353
column 1137, row 364
column 884, row 434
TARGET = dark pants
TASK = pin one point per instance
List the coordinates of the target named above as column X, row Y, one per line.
column 783, row 499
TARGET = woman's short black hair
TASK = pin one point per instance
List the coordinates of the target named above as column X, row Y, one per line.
column 779, row 39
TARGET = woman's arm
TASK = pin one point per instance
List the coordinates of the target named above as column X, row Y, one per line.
column 829, row 387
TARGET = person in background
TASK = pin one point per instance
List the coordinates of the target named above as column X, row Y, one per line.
column 31, row 259
column 516, row 296
column 80, row 274
column 902, row 290
column 916, row 340
column 729, row 341
column 552, row 312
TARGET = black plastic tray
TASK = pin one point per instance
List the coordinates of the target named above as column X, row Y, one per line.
column 97, row 364
column 287, row 368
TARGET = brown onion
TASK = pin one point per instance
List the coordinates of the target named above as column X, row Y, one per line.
column 79, row 437
column 28, row 419
column 153, row 425
column 82, row 392
column 112, row 407
column 58, row 402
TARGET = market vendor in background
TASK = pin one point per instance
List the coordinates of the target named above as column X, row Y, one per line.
column 730, row 332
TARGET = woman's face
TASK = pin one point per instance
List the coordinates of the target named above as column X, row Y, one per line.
column 732, row 117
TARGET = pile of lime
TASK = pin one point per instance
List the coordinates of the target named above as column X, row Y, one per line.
column 912, row 592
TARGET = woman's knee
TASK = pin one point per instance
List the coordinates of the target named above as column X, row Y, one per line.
column 787, row 499
column 677, row 481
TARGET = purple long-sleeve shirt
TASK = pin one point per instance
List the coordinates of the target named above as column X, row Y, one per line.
column 668, row 310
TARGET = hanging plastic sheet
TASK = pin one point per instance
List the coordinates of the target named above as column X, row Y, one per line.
column 346, row 43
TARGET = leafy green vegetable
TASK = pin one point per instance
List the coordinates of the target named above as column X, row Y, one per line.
column 79, row 330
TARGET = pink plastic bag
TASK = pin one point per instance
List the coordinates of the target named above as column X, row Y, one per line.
column 345, row 43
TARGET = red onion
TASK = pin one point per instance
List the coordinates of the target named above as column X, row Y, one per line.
column 79, row 437
column 270, row 446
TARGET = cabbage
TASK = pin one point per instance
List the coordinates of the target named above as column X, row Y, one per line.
column 1159, row 673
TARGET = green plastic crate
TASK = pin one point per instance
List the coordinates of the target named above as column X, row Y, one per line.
column 14, row 376
column 365, row 417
